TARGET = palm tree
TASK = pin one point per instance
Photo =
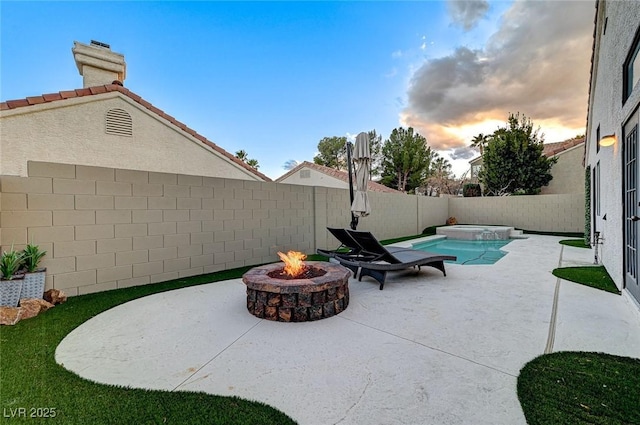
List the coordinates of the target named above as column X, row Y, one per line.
column 242, row 155
column 479, row 142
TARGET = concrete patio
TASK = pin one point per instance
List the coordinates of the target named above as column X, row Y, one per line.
column 427, row 349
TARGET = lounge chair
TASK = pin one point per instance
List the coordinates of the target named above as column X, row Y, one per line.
column 385, row 260
column 349, row 247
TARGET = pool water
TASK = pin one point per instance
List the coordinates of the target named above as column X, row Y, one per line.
column 468, row 252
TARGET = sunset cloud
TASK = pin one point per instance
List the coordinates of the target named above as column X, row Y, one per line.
column 536, row 63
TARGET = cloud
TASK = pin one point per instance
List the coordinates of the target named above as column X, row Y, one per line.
column 467, row 13
column 464, row 152
column 397, row 54
column 536, row 63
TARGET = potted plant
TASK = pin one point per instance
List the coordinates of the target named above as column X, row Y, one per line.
column 10, row 283
column 33, row 286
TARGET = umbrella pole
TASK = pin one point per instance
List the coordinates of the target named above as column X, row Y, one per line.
column 354, row 219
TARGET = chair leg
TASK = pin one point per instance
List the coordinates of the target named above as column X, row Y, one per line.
column 379, row 275
column 438, row 265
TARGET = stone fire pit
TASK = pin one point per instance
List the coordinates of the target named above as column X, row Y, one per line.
column 297, row 300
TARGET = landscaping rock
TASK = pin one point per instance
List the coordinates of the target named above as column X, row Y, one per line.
column 29, row 307
column 33, row 306
column 10, row 315
column 55, row 296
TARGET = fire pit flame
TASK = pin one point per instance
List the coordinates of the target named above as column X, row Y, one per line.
column 293, row 263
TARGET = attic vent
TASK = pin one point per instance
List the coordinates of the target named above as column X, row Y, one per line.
column 118, row 122
column 100, row 44
column 305, row 174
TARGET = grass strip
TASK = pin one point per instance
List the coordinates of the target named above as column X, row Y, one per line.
column 593, row 276
column 561, row 234
column 31, row 379
column 575, row 388
column 578, row 243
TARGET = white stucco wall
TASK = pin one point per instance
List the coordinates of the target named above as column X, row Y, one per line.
column 607, row 111
column 316, row 178
column 72, row 131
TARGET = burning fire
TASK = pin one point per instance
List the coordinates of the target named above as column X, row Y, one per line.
column 293, row 262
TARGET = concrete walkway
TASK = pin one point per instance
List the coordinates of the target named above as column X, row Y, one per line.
column 427, row 349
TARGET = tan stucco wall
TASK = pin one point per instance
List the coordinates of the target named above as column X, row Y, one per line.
column 547, row 213
column 316, row 178
column 106, row 228
column 568, row 173
column 72, row 131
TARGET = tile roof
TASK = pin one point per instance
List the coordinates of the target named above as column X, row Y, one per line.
column 90, row 91
column 337, row 174
column 551, row 149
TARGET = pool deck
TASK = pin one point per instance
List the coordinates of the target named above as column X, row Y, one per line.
column 428, row 349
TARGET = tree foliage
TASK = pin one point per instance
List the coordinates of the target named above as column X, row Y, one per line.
column 332, row 152
column 375, row 147
column 406, row 159
column 513, row 162
column 243, row 156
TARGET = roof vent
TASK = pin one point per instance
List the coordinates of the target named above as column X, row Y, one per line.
column 100, row 44
column 118, row 122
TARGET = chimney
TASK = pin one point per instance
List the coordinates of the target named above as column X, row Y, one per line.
column 97, row 64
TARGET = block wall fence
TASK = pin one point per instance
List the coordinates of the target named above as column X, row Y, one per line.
column 106, row 228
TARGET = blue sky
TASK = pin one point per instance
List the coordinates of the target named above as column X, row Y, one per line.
column 275, row 78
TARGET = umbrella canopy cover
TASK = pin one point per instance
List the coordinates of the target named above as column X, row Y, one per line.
column 362, row 158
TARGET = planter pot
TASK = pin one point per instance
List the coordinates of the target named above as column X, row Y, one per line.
column 10, row 292
column 33, row 285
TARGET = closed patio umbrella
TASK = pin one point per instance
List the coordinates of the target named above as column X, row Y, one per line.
column 362, row 157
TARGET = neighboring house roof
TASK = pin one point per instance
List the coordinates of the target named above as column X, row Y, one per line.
column 337, row 174
column 97, row 90
column 550, row 149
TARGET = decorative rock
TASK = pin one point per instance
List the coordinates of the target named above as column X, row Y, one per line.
column 10, row 315
column 28, row 309
column 55, row 296
column 43, row 304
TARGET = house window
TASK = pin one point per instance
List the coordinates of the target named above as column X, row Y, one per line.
column 475, row 171
column 118, row 122
column 597, row 189
column 632, row 67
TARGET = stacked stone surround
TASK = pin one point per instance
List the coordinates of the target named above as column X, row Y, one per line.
column 297, row 300
column 108, row 228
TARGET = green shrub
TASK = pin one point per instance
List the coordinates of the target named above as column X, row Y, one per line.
column 470, row 190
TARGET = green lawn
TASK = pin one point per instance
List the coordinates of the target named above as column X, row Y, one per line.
column 575, row 388
column 578, row 243
column 594, row 276
column 31, row 379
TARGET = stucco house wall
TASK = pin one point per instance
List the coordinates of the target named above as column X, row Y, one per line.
column 568, row 173
column 608, row 114
column 72, row 131
column 313, row 178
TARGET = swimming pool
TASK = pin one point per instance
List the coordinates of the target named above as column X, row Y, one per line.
column 468, row 252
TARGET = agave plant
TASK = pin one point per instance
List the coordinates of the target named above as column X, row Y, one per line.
column 10, row 263
column 31, row 257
